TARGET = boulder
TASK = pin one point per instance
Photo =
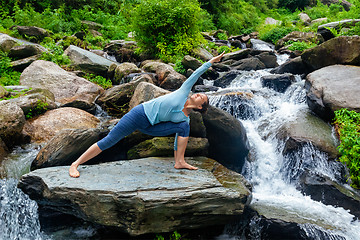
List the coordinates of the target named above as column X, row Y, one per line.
column 3, row 150
column 297, row 36
column 67, row 146
column 225, row 80
column 168, row 78
column 191, row 62
column 21, row 64
column 143, row 196
column 35, row 101
column 278, row 82
column 164, row 147
column 237, row 55
column 269, row 59
column 248, row 64
column 220, row 67
column 124, row 69
column 343, row 3
column 341, row 50
column 294, row 66
column 307, row 128
column 65, row 86
column 116, row 100
column 91, row 25
column 3, row 92
column 6, row 42
column 271, row 21
column 227, row 137
column 327, row 34
column 331, row 88
column 322, row 188
column 88, row 61
column 32, row 31
column 46, row 126
column 202, row 53
column 205, row 88
column 144, row 92
column 26, row 50
column 304, row 18
column 12, row 121
column 197, row 126
column 318, row 20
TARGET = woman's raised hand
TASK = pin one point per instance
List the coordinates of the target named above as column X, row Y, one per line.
column 217, row 58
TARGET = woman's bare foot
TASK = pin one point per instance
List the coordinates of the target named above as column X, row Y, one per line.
column 181, row 165
column 73, row 172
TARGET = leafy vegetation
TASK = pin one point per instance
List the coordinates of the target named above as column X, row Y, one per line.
column 299, row 46
column 348, row 123
column 40, row 108
column 167, row 29
column 7, row 75
column 99, row 80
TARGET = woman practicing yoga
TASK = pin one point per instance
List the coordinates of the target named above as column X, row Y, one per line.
column 161, row 116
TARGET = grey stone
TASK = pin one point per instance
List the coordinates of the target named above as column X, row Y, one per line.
column 6, row 42
column 143, row 196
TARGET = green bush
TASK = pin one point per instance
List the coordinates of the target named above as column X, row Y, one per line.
column 299, row 46
column 55, row 52
column 276, row 33
column 348, row 123
column 167, row 28
column 99, row 80
column 8, row 76
column 40, row 108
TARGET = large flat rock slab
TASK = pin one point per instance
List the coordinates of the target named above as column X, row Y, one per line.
column 143, row 196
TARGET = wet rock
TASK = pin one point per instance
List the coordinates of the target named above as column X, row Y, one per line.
column 26, row 50
column 322, row 188
column 261, row 45
column 209, row 196
column 87, row 61
column 237, row 55
column 308, row 128
column 340, row 50
column 6, row 42
column 278, row 82
column 65, row 86
column 164, row 147
column 12, row 121
column 3, row 150
column 331, row 88
column 66, row 146
column 248, row 64
column 145, row 92
column 227, row 138
column 46, row 126
column 220, row 67
column 268, row 58
column 202, row 53
column 225, row 80
column 32, row 31
column 124, row 69
column 294, row 66
column 197, row 126
column 205, row 88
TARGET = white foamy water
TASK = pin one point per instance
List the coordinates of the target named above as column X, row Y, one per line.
column 270, row 172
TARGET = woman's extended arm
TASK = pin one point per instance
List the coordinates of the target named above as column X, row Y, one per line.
column 189, row 83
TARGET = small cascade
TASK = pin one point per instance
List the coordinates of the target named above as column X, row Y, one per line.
column 18, row 214
column 274, row 176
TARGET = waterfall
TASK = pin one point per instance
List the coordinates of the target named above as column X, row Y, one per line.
column 274, row 176
column 18, row 214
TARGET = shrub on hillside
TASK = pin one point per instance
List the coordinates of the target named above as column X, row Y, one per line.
column 294, row 4
column 167, row 28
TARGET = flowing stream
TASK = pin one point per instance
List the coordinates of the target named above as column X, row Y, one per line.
column 273, row 176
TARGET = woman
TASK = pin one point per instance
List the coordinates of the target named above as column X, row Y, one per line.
column 161, row 116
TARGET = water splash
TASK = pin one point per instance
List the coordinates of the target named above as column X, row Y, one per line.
column 18, row 214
